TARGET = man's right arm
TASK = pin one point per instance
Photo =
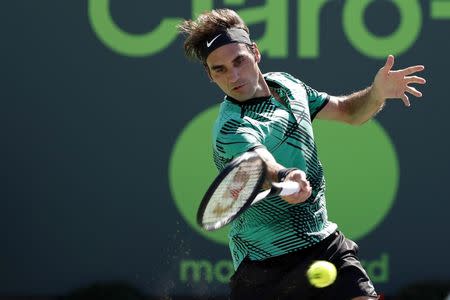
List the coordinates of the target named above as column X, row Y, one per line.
column 235, row 138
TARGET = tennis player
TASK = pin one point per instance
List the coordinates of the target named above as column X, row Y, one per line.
column 274, row 241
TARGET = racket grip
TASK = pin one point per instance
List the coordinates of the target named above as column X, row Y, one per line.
column 287, row 187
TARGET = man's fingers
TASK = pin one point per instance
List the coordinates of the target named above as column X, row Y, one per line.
column 389, row 63
column 405, row 100
column 305, row 188
column 415, row 79
column 413, row 69
column 301, row 196
column 413, row 91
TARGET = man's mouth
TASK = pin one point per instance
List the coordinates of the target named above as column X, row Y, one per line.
column 238, row 87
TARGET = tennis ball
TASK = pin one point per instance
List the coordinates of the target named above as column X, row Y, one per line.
column 321, row 273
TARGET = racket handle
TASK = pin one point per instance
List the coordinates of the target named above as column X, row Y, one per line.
column 287, row 187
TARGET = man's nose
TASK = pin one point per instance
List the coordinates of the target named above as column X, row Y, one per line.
column 233, row 75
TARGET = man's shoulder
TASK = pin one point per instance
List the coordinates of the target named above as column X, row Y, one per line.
column 282, row 78
column 228, row 112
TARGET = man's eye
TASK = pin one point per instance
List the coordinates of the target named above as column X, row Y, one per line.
column 239, row 61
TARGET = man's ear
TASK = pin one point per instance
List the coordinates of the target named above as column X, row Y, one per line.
column 256, row 53
column 208, row 72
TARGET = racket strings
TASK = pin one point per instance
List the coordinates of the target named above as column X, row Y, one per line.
column 233, row 192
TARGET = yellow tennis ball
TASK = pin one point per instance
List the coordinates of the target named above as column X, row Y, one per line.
column 321, row 273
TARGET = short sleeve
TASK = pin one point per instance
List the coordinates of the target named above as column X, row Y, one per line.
column 316, row 100
column 235, row 137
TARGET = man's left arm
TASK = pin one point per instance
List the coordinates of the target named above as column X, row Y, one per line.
column 360, row 106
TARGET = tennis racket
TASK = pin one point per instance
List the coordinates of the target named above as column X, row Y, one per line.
column 236, row 188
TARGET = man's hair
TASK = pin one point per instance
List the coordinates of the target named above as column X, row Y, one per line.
column 204, row 27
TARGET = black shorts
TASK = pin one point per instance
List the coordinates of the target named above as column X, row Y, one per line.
column 283, row 277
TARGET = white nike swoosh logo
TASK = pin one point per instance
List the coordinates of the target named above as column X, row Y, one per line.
column 208, row 44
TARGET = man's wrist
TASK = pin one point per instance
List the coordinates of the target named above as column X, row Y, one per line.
column 375, row 95
column 283, row 173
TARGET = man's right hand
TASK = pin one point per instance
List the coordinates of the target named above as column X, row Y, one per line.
column 305, row 188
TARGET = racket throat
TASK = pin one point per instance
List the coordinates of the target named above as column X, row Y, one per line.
column 263, row 195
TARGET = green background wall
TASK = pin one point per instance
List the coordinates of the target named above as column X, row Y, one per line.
column 89, row 124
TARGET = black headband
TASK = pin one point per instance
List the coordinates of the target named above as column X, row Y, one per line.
column 220, row 38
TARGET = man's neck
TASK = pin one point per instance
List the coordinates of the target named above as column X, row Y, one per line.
column 263, row 89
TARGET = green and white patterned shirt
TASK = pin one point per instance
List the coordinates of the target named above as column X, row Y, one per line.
column 274, row 227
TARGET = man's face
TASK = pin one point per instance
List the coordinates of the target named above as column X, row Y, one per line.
column 235, row 70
